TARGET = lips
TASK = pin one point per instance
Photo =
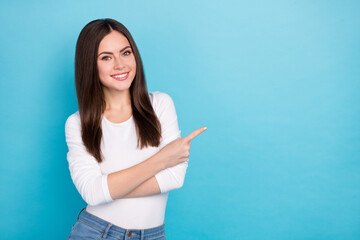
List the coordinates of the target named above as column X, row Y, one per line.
column 120, row 76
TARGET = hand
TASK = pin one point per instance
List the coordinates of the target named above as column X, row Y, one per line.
column 178, row 151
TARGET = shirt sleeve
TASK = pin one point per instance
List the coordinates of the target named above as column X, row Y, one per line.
column 84, row 169
column 173, row 177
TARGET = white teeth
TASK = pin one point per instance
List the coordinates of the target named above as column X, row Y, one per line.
column 121, row 75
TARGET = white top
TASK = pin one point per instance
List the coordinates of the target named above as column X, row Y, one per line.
column 118, row 145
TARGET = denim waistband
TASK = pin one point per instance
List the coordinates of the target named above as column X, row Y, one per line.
column 116, row 231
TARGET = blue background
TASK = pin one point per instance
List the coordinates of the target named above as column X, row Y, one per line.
column 276, row 83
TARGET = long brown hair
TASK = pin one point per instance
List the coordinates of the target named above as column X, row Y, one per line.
column 90, row 95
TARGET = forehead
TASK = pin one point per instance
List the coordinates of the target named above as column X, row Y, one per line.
column 113, row 42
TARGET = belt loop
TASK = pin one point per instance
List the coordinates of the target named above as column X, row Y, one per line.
column 80, row 212
column 142, row 234
column 106, row 231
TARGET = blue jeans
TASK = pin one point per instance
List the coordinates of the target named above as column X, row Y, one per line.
column 88, row 226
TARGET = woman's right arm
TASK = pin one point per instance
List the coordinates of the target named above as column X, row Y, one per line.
column 84, row 169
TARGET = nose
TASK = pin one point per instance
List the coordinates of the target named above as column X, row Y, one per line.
column 118, row 64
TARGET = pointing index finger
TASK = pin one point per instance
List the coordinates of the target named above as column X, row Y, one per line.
column 192, row 135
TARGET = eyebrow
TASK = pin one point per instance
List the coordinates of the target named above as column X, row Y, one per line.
column 112, row 53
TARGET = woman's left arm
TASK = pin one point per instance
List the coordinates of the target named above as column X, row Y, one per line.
column 169, row 178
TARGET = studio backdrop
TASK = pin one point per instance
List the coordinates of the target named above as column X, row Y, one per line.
column 276, row 82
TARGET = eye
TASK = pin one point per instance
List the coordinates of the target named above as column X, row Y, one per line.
column 105, row 58
column 127, row 53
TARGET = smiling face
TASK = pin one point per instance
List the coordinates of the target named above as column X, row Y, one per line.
column 116, row 63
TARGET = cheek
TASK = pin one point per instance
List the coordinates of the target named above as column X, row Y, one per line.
column 131, row 62
column 103, row 69
column 133, row 65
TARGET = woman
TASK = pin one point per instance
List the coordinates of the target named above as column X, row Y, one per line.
column 125, row 151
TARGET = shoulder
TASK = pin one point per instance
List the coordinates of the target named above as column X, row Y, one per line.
column 73, row 121
column 163, row 106
column 160, row 99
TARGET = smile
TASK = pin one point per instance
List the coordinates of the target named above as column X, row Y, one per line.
column 120, row 77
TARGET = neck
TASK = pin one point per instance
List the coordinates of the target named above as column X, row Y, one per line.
column 117, row 100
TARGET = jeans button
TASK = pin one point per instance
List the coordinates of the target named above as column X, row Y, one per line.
column 129, row 234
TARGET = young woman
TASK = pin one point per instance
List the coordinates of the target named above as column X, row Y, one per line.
column 125, row 150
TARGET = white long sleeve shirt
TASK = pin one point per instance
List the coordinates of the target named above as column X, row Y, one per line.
column 118, row 145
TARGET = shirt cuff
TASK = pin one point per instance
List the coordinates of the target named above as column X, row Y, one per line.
column 161, row 179
column 106, row 188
